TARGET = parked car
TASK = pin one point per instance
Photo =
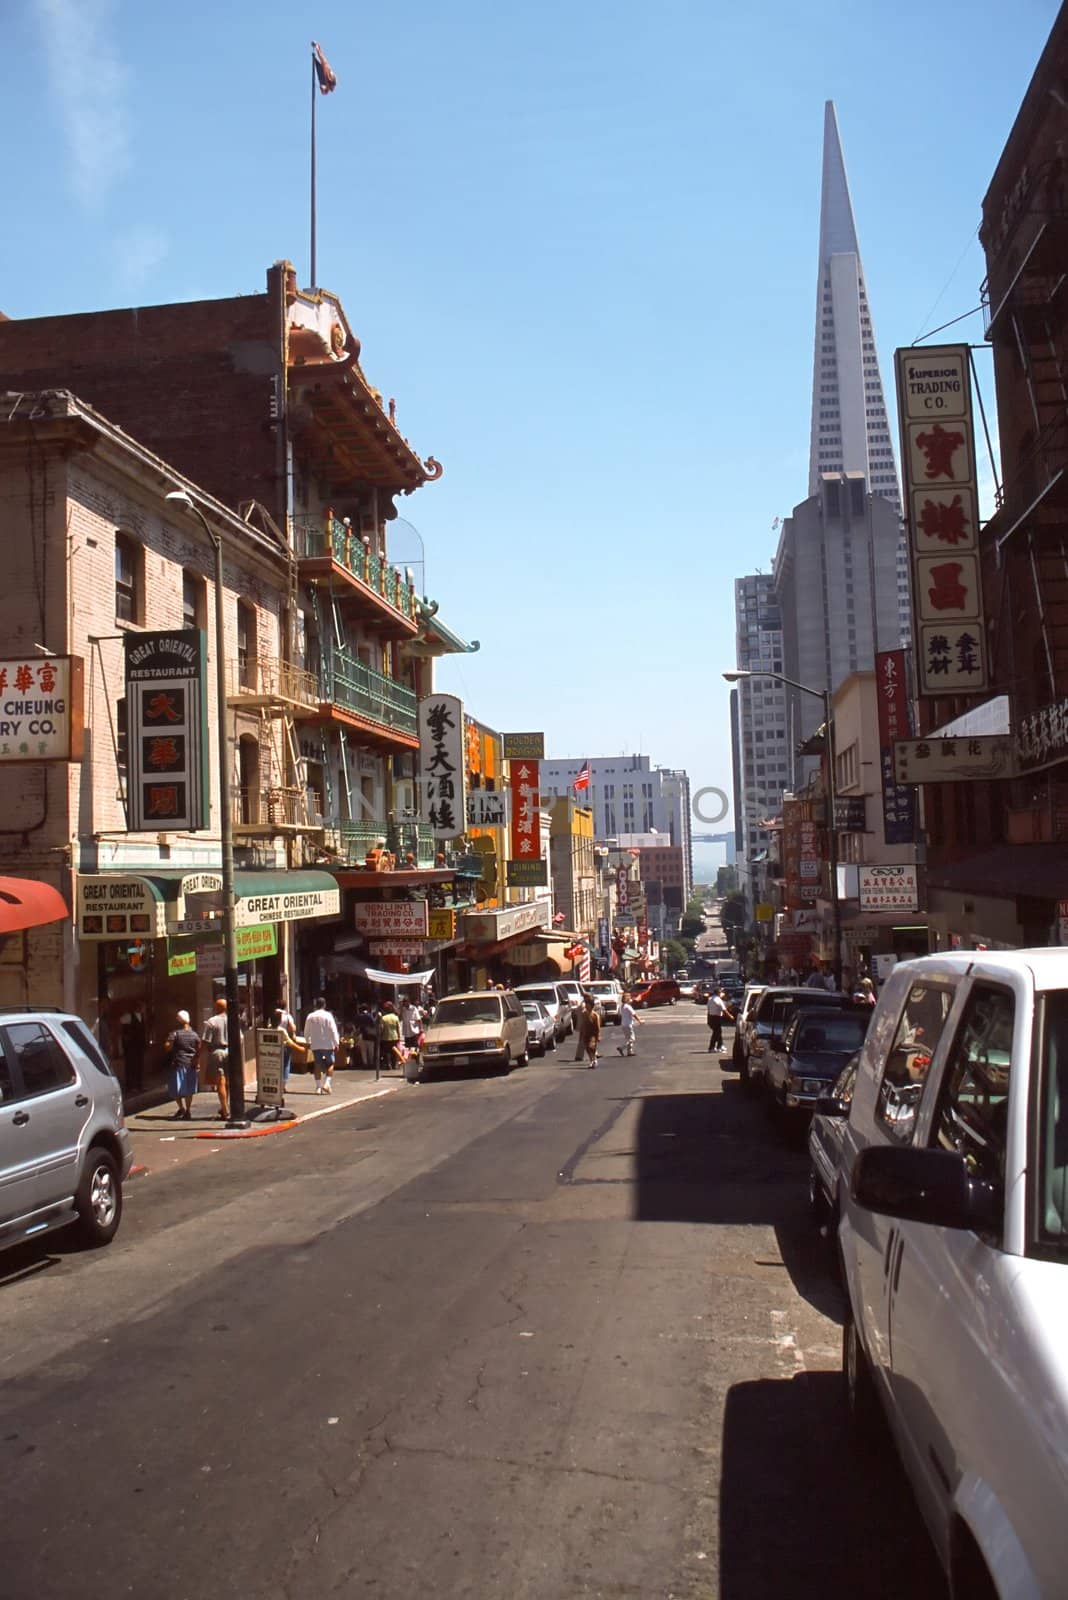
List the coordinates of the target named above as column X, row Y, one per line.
column 803, row 1063
column 555, row 1002
column 658, row 992
column 541, row 1030
column 825, row 1136
column 953, row 1238
column 769, row 1017
column 485, row 1027
column 609, row 997
column 575, row 996
column 687, row 988
column 740, row 1047
column 64, row 1148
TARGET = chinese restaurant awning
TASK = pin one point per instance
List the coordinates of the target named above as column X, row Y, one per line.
column 284, row 896
column 27, row 904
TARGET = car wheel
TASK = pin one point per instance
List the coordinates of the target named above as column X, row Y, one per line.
column 506, row 1065
column 524, row 1059
column 862, row 1401
column 818, row 1206
column 99, row 1199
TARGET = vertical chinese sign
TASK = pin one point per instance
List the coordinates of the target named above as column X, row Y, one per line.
column 791, row 852
column 899, row 799
column 166, row 717
column 442, row 765
column 526, row 867
column 934, row 399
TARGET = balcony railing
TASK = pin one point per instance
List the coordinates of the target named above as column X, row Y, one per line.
column 259, row 810
column 354, row 687
column 263, row 679
column 353, row 841
column 333, row 541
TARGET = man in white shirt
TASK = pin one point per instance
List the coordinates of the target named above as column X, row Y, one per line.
column 718, row 1013
column 320, row 1031
column 628, row 1018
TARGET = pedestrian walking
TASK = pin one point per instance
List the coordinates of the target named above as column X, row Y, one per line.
column 182, row 1049
column 628, row 1020
column 320, row 1031
column 284, row 1022
column 718, row 1012
column 389, row 1037
column 411, row 1023
column 589, row 1031
column 215, row 1040
column 367, row 1034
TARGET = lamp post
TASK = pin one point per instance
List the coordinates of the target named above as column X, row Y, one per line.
column 832, row 834
column 235, row 1070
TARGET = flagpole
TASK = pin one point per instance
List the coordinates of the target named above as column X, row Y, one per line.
column 314, row 277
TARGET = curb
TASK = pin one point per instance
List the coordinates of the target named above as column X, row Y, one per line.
column 287, row 1124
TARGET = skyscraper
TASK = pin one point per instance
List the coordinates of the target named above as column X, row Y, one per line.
column 850, row 426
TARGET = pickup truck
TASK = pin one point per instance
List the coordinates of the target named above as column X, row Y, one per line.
column 953, row 1239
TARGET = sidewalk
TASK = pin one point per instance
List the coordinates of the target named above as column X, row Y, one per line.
column 155, row 1125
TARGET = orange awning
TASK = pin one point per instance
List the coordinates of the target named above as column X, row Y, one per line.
column 26, row 904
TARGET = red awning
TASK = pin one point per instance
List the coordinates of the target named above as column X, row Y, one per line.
column 26, row 904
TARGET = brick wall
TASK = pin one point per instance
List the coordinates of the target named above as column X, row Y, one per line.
column 195, row 383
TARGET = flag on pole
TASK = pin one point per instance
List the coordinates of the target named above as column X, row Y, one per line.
column 323, row 70
column 583, row 779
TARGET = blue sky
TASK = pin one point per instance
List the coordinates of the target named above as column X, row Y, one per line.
column 578, row 244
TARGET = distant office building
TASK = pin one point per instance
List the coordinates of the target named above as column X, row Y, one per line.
column 763, row 728
column 850, row 426
column 627, row 795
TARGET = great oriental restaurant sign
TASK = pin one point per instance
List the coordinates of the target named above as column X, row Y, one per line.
column 934, row 400
column 441, row 764
column 167, row 709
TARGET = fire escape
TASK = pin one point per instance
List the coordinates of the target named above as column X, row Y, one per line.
column 1025, row 300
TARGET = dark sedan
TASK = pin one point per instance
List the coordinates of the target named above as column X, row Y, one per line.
column 816, row 1045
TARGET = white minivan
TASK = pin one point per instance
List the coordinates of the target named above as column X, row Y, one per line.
column 953, row 1234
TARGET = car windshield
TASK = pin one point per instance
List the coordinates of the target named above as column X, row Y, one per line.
column 838, row 1031
column 547, row 996
column 601, row 988
column 1052, row 1208
column 475, row 1008
column 532, row 1008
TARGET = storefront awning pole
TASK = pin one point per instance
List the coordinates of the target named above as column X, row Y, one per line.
column 235, row 1069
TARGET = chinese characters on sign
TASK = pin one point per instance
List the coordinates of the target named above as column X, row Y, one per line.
column 166, row 700
column 41, row 714
column 392, row 919
column 938, row 456
column 887, row 888
column 1042, row 738
column 526, row 865
column 955, row 760
column 899, row 802
column 441, row 762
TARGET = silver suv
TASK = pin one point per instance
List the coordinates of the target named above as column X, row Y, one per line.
column 64, row 1149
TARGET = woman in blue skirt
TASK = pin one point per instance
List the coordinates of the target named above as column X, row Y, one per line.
column 183, row 1051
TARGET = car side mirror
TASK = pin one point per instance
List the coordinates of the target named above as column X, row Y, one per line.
column 922, row 1185
column 829, row 1105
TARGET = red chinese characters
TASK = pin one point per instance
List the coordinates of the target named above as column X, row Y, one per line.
column 939, row 446
column 526, row 802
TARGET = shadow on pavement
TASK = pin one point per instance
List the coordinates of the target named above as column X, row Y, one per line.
column 714, row 1158
column 803, row 1514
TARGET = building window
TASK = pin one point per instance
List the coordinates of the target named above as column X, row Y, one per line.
column 194, row 601
column 129, row 579
column 246, row 644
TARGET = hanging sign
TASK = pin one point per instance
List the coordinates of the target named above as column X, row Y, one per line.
column 525, row 865
column 971, row 759
column 485, row 808
column 934, row 401
column 42, row 709
column 166, row 715
column 392, row 918
column 899, row 801
column 441, row 764
column 887, row 888
column 523, row 746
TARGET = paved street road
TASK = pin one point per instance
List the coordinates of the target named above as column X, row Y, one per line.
column 561, row 1334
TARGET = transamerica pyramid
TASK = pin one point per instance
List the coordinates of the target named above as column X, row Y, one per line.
column 850, row 426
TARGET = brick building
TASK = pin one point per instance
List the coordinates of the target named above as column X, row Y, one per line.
column 997, row 849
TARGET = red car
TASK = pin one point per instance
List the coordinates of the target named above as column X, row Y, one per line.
column 660, row 992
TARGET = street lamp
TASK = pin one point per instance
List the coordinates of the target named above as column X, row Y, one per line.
column 825, row 696
column 235, row 1070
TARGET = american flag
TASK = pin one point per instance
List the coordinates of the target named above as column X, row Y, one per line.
column 323, row 70
column 583, row 779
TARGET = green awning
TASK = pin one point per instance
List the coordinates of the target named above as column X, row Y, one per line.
column 284, row 896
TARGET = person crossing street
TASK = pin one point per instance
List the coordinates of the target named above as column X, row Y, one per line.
column 589, row 1031
column 718, row 1012
column 628, row 1019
